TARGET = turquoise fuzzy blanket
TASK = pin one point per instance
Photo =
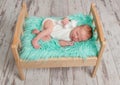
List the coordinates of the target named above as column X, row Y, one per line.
column 52, row 49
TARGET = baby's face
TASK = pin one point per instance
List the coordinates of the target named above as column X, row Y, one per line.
column 78, row 34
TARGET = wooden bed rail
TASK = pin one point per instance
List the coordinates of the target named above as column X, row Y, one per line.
column 19, row 25
column 98, row 23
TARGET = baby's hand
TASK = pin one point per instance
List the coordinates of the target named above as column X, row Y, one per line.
column 66, row 43
column 70, row 43
column 65, row 21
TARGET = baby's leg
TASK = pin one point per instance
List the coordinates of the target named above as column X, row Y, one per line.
column 46, row 38
column 47, row 29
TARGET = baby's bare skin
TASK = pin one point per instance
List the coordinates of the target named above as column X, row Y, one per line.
column 77, row 34
column 65, row 21
column 45, row 34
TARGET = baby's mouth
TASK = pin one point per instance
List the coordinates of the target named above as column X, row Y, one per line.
column 76, row 40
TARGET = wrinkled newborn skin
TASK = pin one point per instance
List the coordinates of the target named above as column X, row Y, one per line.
column 79, row 33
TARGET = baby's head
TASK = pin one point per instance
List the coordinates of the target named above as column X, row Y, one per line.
column 81, row 33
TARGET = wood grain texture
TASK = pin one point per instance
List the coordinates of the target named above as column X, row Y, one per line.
column 60, row 62
column 109, row 70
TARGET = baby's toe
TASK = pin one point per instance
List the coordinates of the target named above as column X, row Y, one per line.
column 35, row 31
column 70, row 43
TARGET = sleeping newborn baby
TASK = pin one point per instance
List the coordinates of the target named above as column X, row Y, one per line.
column 65, row 30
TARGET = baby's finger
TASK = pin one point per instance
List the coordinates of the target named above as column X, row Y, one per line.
column 70, row 43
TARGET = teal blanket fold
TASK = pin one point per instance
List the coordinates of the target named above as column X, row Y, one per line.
column 52, row 49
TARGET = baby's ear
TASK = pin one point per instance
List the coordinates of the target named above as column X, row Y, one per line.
column 87, row 28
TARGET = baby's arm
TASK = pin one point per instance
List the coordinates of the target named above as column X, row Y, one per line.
column 64, row 43
column 68, row 23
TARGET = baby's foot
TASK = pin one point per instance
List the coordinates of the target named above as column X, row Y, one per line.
column 35, row 31
column 35, row 43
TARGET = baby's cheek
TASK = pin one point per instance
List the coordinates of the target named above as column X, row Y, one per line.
column 75, row 35
column 79, row 38
column 85, row 38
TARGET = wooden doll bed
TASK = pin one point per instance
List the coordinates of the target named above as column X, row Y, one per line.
column 55, row 62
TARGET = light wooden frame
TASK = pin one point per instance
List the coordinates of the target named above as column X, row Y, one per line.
column 55, row 62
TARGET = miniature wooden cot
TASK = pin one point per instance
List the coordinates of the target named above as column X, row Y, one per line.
column 56, row 62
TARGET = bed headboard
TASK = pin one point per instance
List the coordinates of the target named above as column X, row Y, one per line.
column 99, row 27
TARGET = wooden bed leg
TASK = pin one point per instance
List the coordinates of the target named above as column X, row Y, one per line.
column 25, row 8
column 17, row 60
column 94, row 71
column 99, row 58
column 21, row 72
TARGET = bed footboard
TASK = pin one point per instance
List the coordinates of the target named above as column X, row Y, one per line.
column 16, row 44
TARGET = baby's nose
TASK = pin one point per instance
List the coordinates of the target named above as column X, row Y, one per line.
column 75, row 36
